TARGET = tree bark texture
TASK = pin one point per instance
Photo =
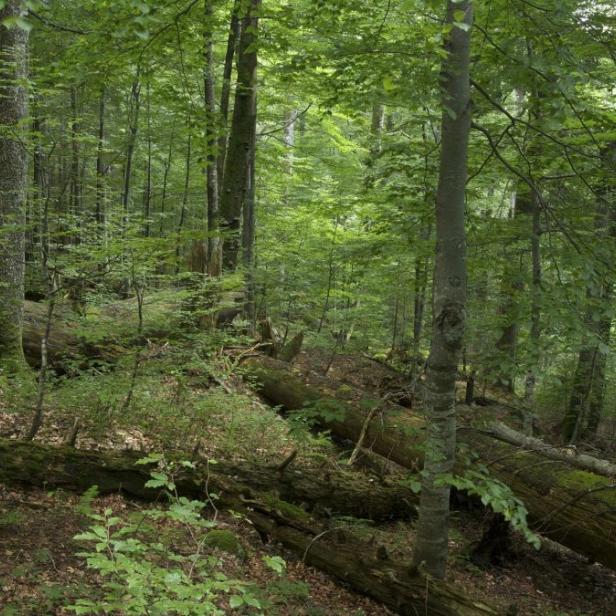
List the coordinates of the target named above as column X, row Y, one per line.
column 241, row 137
column 225, row 94
column 214, row 247
column 431, row 547
column 13, row 178
column 586, row 401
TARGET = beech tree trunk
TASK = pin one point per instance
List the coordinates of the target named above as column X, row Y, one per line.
column 133, row 127
column 214, row 247
column 100, row 210
column 184, row 206
column 241, row 137
column 586, row 401
column 571, row 506
column 147, row 190
column 431, row 547
column 247, row 490
column 13, row 178
column 225, row 94
column 76, row 188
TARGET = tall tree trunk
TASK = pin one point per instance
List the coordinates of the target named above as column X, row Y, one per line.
column 419, row 296
column 147, row 193
column 431, row 547
column 586, row 401
column 13, row 178
column 376, row 128
column 225, row 95
column 597, row 386
column 290, row 121
column 534, row 211
column 178, row 241
column 39, row 177
column 511, row 286
column 100, row 213
column 535, row 301
column 163, row 198
column 75, row 195
column 133, row 126
column 214, row 245
column 248, row 231
column 240, row 139
column 331, row 274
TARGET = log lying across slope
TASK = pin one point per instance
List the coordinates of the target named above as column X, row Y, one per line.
column 339, row 553
column 573, row 507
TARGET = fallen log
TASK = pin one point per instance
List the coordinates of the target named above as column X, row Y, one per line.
column 343, row 556
column 105, row 332
column 333, row 550
column 568, row 455
column 69, row 335
column 329, row 493
column 573, row 507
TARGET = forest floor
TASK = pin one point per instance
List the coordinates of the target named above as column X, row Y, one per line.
column 41, row 571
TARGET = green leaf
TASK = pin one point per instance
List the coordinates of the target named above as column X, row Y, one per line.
column 388, row 84
column 236, row 601
column 153, row 458
column 275, row 563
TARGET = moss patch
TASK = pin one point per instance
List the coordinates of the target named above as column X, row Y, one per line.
column 583, row 481
column 288, row 510
column 225, row 541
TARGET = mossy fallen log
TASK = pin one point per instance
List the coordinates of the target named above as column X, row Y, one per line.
column 357, row 564
column 339, row 553
column 105, row 332
column 569, row 455
column 73, row 338
column 573, row 507
column 329, row 493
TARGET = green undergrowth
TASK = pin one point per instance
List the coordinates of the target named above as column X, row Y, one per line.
column 180, row 394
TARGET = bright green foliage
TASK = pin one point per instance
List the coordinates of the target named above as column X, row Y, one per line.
column 498, row 496
column 144, row 576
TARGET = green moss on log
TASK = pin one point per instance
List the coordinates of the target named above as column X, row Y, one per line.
column 573, row 507
column 225, row 541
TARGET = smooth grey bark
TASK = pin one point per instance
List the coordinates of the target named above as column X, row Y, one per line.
column 147, row 192
column 225, row 94
column 163, row 198
column 431, row 547
column 76, row 189
column 290, row 121
column 525, row 218
column 248, row 233
column 180, row 227
column 13, row 178
column 40, row 177
column 100, row 213
column 214, row 245
column 243, row 126
column 420, row 287
column 133, row 127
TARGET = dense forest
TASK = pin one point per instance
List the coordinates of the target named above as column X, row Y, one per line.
column 306, row 307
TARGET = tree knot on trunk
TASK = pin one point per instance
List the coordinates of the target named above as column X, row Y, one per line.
column 450, row 324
